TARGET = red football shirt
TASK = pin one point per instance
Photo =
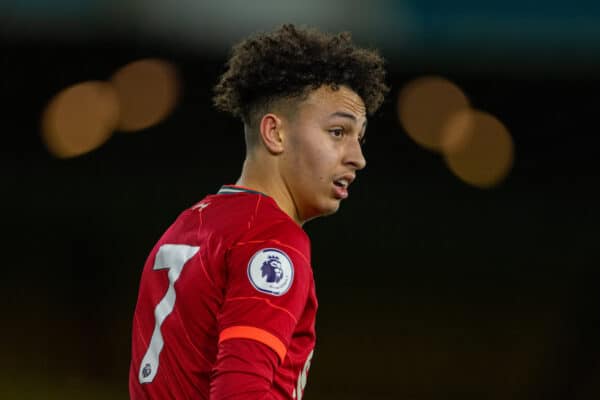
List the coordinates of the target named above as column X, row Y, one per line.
column 234, row 266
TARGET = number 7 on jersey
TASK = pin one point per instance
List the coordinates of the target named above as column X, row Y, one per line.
column 172, row 257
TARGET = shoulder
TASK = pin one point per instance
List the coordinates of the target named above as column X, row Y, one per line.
column 270, row 225
column 226, row 216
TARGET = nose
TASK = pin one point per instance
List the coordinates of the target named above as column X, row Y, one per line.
column 355, row 156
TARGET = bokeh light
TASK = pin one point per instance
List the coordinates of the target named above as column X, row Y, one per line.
column 477, row 148
column 424, row 106
column 80, row 118
column 148, row 90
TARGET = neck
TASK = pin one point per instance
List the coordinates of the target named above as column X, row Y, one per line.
column 263, row 176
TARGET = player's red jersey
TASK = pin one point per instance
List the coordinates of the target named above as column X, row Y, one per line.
column 234, row 266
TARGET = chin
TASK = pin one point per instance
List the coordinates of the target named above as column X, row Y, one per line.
column 323, row 210
column 329, row 208
column 332, row 210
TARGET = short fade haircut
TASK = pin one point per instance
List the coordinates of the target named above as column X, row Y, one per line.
column 290, row 62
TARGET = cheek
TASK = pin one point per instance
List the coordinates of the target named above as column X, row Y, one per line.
column 321, row 162
column 315, row 158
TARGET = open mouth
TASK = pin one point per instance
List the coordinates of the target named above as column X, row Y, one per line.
column 341, row 183
column 341, row 188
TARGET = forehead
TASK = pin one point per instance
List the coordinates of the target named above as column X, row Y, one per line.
column 325, row 101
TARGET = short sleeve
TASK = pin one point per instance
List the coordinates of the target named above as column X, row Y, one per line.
column 268, row 280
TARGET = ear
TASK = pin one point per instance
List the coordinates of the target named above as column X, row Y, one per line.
column 271, row 133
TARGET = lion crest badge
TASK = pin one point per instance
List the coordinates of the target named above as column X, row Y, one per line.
column 271, row 271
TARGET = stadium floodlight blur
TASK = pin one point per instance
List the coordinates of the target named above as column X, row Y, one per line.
column 482, row 149
column 495, row 34
column 425, row 104
column 148, row 90
column 476, row 146
column 205, row 25
column 80, row 118
column 84, row 116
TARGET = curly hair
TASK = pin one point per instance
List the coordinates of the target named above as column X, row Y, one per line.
column 290, row 62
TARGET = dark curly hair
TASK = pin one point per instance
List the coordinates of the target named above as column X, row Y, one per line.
column 290, row 62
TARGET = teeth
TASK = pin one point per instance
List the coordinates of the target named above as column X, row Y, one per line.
column 342, row 182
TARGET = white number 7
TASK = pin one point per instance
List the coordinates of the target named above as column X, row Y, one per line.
column 172, row 257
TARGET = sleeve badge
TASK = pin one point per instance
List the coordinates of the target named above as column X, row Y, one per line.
column 271, row 271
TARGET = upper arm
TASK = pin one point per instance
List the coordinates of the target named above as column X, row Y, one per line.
column 268, row 281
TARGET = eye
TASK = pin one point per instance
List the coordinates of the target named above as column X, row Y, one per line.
column 337, row 132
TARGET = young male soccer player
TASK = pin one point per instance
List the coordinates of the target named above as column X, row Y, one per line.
column 227, row 304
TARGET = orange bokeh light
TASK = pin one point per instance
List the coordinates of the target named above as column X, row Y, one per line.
column 80, row 118
column 424, row 106
column 477, row 148
column 148, row 90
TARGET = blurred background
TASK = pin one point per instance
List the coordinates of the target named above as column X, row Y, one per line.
column 462, row 265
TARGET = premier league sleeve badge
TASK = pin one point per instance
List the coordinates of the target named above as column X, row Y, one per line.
column 271, row 271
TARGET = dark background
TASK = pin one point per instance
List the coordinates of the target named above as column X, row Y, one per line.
column 428, row 288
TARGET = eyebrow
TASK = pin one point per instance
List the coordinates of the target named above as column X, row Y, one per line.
column 347, row 115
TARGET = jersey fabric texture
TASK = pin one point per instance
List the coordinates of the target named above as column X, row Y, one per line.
column 229, row 280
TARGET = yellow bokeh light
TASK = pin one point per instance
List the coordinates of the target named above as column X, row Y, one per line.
column 425, row 104
column 148, row 90
column 80, row 118
column 477, row 148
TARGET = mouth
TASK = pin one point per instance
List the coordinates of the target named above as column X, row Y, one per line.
column 341, row 186
column 341, row 183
